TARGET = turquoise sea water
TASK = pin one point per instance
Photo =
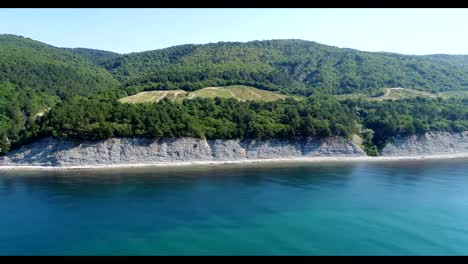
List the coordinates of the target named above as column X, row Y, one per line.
column 391, row 208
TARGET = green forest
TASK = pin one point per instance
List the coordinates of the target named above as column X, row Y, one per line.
column 73, row 93
column 289, row 66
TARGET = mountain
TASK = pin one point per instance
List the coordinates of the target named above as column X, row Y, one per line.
column 45, row 68
column 93, row 55
column 290, row 66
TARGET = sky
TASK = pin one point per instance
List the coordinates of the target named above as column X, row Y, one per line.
column 406, row 31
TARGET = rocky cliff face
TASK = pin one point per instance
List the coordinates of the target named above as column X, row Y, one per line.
column 56, row 152
column 440, row 143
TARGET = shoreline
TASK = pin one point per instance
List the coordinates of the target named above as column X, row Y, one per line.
column 332, row 159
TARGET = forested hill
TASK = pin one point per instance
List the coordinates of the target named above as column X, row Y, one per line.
column 45, row 68
column 93, row 55
column 291, row 66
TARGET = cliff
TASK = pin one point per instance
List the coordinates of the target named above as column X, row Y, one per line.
column 57, row 152
column 118, row 151
column 439, row 143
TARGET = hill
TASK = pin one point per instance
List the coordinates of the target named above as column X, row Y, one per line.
column 289, row 66
column 34, row 76
column 45, row 68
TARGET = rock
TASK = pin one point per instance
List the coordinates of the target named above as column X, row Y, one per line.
column 436, row 143
column 59, row 152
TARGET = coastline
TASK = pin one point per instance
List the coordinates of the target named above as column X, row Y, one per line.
column 328, row 159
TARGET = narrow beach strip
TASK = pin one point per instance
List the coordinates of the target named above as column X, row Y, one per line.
column 332, row 159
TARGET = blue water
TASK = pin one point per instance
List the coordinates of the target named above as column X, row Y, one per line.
column 404, row 208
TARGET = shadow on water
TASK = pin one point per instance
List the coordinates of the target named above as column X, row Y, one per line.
column 294, row 175
column 185, row 192
column 88, row 183
column 423, row 172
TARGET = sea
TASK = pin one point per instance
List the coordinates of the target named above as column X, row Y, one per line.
column 417, row 207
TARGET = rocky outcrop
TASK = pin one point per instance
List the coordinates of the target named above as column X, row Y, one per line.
column 58, row 152
column 440, row 143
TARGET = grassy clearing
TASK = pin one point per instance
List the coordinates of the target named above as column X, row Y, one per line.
column 455, row 94
column 245, row 93
column 212, row 92
column 250, row 93
column 402, row 93
column 391, row 94
column 154, row 96
column 239, row 92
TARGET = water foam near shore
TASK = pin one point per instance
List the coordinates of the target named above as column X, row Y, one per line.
column 239, row 162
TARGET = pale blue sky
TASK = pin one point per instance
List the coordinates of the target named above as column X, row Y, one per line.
column 408, row 31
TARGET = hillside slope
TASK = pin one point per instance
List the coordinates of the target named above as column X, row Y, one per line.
column 45, row 68
column 291, row 66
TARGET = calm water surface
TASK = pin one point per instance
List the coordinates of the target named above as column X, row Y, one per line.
column 404, row 208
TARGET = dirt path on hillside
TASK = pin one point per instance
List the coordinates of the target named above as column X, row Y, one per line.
column 164, row 94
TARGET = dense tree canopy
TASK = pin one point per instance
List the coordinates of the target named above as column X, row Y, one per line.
column 98, row 118
column 48, row 69
column 410, row 116
column 291, row 66
column 18, row 106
